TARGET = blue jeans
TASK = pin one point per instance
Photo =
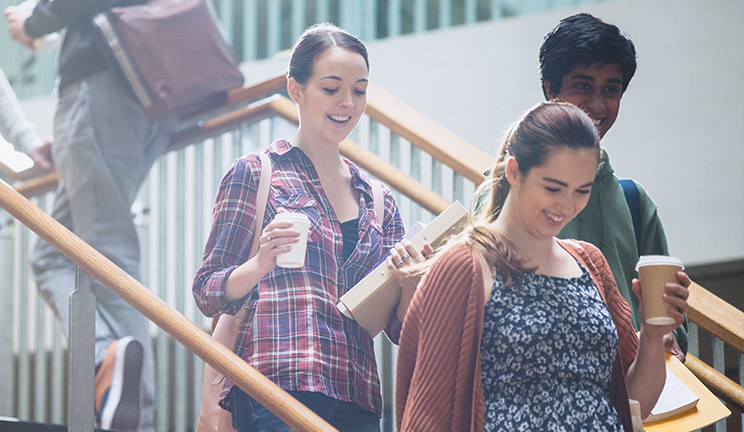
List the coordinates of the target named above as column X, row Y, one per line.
column 249, row 416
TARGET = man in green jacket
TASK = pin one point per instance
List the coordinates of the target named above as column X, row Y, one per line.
column 590, row 63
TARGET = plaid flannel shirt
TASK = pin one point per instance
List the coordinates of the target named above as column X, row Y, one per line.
column 295, row 335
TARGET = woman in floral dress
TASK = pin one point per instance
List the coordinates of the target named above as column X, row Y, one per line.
column 513, row 329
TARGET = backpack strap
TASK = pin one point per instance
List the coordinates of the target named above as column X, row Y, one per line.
column 633, row 199
column 378, row 198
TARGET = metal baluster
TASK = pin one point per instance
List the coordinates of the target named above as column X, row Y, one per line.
column 693, row 340
column 57, row 391
column 497, row 10
column 369, row 20
column 471, row 11
column 405, row 204
column 227, row 13
column 80, row 414
column 24, row 358
column 6, row 309
column 41, row 386
column 180, row 373
column 322, row 11
column 250, row 30
column 458, row 186
column 416, row 164
column 162, row 360
column 419, row 16
column 350, row 17
column 388, row 391
column 436, row 176
column 393, row 18
column 193, row 247
column 719, row 364
column 274, row 28
column 298, row 19
column 445, row 13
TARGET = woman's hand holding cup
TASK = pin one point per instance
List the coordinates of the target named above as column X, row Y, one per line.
column 664, row 300
column 277, row 238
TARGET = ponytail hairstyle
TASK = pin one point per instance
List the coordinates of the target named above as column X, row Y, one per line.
column 313, row 42
column 546, row 127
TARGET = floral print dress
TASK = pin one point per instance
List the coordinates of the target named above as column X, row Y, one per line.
column 547, row 351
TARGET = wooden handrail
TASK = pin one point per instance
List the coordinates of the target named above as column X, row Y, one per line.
column 203, row 129
column 705, row 309
column 163, row 315
column 38, row 185
column 440, row 143
column 370, row 162
column 284, row 108
column 719, row 384
column 241, row 96
column 256, row 91
column 428, row 135
column 716, row 316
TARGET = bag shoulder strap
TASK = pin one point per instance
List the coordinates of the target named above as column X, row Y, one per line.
column 633, row 198
column 378, row 198
column 586, row 262
column 487, row 276
column 264, row 184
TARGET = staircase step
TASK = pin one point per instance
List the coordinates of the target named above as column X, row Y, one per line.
column 15, row 425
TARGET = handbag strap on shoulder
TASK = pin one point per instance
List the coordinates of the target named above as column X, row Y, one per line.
column 264, row 184
column 378, row 199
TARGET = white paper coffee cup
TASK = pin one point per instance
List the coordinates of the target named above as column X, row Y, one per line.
column 295, row 257
column 655, row 271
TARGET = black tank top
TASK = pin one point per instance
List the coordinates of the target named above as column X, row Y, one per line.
column 350, row 235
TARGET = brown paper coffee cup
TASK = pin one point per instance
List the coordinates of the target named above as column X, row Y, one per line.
column 655, row 271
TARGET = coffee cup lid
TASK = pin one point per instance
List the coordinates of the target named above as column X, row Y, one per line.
column 649, row 260
column 294, row 217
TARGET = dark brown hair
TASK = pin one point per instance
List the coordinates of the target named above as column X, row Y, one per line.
column 544, row 128
column 583, row 39
column 313, row 42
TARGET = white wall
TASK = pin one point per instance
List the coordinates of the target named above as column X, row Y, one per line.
column 680, row 131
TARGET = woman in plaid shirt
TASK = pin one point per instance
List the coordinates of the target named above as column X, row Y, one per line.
column 294, row 334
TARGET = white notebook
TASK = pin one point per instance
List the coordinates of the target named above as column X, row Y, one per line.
column 675, row 398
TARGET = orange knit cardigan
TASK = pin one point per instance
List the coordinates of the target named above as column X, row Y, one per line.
column 438, row 382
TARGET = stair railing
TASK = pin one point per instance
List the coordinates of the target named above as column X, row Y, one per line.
column 467, row 161
column 163, row 315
